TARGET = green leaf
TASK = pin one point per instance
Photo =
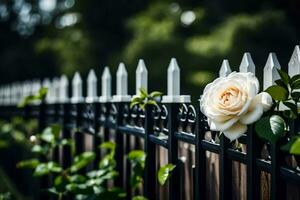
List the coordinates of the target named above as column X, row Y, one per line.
column 164, row 173
column 295, row 85
column 284, row 76
column 143, row 93
column 137, row 156
column 277, row 92
column 47, row 135
column 46, row 168
column 155, row 94
column 60, row 183
column 281, row 83
column 271, row 128
column 151, row 102
column 31, row 163
column 133, row 103
column 56, row 129
column 293, row 146
column 295, row 78
column 139, row 198
column 27, row 100
column 295, row 95
column 77, row 178
column 108, row 145
column 107, row 162
column 82, row 161
column 292, row 107
column 289, row 114
column 42, row 93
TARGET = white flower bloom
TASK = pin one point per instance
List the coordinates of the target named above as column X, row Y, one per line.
column 231, row 103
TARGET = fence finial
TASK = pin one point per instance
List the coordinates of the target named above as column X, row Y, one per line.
column 122, row 84
column 106, row 85
column 247, row 64
column 294, row 63
column 77, row 89
column 63, row 89
column 225, row 69
column 174, row 85
column 141, row 76
column 91, row 87
column 270, row 70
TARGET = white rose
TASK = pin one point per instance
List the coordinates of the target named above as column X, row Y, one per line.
column 232, row 102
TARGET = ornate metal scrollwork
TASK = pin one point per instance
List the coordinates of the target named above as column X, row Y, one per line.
column 160, row 118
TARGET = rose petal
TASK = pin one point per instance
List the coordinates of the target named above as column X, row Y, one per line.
column 265, row 99
column 221, row 126
column 252, row 115
column 236, row 131
column 260, row 103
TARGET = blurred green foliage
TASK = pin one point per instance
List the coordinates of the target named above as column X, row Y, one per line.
column 200, row 34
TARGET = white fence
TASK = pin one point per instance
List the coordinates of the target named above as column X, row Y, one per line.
column 11, row 94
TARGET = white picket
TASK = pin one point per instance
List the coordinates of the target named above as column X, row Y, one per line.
column 141, row 77
column 63, row 89
column 106, row 86
column 294, row 63
column 247, row 64
column 122, row 85
column 91, row 87
column 77, row 96
column 225, row 69
column 270, row 71
column 173, row 93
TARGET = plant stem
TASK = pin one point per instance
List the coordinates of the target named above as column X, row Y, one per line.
column 60, row 196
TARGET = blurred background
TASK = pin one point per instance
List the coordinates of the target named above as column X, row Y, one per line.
column 45, row 38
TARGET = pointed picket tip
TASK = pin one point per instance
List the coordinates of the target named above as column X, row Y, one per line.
column 122, row 70
column 225, row 69
column 46, row 83
column 272, row 62
column 77, row 89
column 76, row 79
column 141, row 68
column 64, row 81
column 270, row 71
column 63, row 89
column 92, row 76
column 247, row 64
column 141, row 76
column 294, row 63
column 105, row 86
column 106, row 73
column 173, row 66
column 91, row 87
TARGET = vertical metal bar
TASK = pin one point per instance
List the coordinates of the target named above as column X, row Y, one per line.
column 66, row 134
column 120, row 146
column 106, row 129
column 96, row 138
column 128, row 168
column 225, row 171
column 253, row 173
column 79, row 136
column 200, row 160
column 150, row 164
column 174, row 181
column 278, row 187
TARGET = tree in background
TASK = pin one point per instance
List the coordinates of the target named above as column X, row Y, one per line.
column 92, row 34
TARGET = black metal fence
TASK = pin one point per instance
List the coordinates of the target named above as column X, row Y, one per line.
column 165, row 126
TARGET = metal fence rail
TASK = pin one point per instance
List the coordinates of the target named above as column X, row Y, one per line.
column 175, row 120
